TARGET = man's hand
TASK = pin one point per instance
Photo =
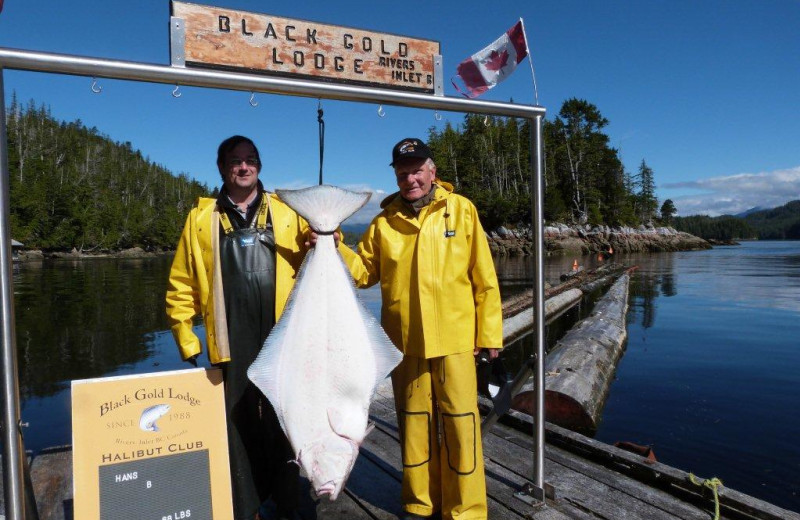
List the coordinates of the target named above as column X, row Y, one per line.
column 311, row 238
column 493, row 352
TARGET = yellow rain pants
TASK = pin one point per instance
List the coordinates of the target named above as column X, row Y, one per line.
column 437, row 410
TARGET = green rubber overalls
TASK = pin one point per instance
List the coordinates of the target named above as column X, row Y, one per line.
column 259, row 451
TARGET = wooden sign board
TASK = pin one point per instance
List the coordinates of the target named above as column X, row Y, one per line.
column 252, row 42
column 151, row 446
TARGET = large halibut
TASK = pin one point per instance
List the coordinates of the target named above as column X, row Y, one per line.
column 324, row 358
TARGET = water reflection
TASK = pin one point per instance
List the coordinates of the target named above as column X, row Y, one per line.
column 79, row 319
column 712, row 337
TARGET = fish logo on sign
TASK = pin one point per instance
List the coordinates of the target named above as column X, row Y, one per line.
column 147, row 421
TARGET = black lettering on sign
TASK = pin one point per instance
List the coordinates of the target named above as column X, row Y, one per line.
column 244, row 28
column 299, row 58
column 289, row 29
column 275, row 59
column 270, row 32
column 357, row 66
column 319, row 61
column 311, row 35
column 402, row 49
column 224, row 24
column 366, row 44
column 348, row 41
column 337, row 63
column 383, row 48
column 411, row 64
column 430, row 79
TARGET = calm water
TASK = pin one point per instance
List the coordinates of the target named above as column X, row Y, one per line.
column 710, row 377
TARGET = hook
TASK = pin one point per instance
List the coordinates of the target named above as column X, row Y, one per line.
column 253, row 102
column 437, row 116
column 381, row 111
column 175, row 92
column 95, row 87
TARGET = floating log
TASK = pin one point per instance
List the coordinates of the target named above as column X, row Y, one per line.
column 520, row 323
column 602, row 275
column 576, row 270
column 558, row 299
column 580, row 368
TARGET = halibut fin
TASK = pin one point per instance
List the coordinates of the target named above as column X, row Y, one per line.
column 324, row 207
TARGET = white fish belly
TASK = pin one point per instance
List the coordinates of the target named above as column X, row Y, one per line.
column 320, row 367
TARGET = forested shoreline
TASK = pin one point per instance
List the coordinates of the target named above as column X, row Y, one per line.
column 75, row 191
column 781, row 223
column 71, row 187
column 487, row 159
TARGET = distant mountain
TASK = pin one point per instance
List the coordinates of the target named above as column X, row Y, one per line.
column 765, row 224
column 749, row 211
column 777, row 223
column 353, row 232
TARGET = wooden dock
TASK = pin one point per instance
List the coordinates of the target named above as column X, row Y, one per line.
column 591, row 480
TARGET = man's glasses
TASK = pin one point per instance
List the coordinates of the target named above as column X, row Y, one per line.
column 235, row 161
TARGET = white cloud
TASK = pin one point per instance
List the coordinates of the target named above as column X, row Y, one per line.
column 729, row 195
column 371, row 208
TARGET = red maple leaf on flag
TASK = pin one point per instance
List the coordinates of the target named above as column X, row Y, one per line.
column 497, row 61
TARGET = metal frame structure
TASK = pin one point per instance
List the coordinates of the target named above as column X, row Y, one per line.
column 13, row 450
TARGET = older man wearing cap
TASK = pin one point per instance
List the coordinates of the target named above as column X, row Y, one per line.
column 441, row 306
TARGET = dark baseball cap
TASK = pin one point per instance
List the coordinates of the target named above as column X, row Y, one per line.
column 410, row 147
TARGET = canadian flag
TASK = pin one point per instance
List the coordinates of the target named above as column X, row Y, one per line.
column 488, row 67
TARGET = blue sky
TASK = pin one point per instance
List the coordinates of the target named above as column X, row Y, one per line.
column 706, row 92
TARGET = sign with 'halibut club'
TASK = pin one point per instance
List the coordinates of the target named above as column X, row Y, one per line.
column 205, row 36
column 151, row 446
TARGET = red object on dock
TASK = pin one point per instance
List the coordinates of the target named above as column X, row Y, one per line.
column 644, row 451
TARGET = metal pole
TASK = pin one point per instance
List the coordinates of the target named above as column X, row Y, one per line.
column 537, row 217
column 115, row 69
column 13, row 452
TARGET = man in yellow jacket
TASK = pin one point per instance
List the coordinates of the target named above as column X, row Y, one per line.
column 441, row 306
column 235, row 265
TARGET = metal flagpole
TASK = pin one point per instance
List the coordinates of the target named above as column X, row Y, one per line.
column 530, row 61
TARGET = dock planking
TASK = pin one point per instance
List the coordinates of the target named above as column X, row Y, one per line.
column 591, row 479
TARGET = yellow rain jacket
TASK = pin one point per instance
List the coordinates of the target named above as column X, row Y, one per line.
column 438, row 283
column 195, row 280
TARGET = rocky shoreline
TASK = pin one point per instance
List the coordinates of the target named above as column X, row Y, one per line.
column 75, row 254
column 560, row 239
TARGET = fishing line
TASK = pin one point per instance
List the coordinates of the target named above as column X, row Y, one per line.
column 321, row 137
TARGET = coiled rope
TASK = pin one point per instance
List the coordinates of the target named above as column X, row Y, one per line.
column 712, row 484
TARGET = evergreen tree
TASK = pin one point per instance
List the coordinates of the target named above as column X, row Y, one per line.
column 488, row 160
column 668, row 211
column 647, row 198
column 71, row 187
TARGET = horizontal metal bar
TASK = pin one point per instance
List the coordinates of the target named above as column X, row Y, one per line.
column 128, row 70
